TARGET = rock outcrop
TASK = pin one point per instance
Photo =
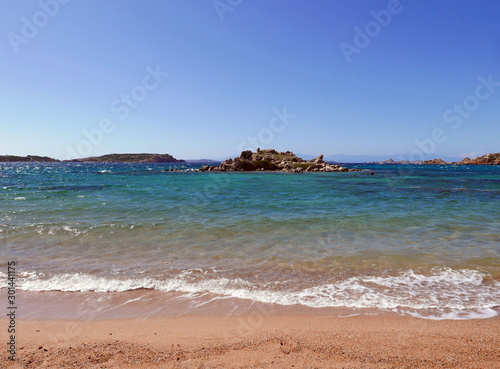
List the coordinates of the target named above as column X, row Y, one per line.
column 389, row 161
column 434, row 162
column 272, row 160
column 489, row 159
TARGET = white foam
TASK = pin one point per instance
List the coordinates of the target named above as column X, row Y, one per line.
column 457, row 315
column 20, row 198
column 444, row 294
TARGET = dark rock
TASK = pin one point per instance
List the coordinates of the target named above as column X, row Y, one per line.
column 247, row 154
column 312, row 167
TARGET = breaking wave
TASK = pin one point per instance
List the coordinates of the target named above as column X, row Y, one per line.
column 443, row 294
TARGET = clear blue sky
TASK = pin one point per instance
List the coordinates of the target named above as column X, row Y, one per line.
column 68, row 66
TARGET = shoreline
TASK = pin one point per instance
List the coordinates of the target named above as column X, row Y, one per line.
column 151, row 304
column 256, row 341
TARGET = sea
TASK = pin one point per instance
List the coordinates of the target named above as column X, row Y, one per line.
column 104, row 241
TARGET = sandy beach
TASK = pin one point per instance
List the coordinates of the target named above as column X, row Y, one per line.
column 256, row 341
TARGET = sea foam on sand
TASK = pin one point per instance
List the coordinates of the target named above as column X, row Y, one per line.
column 442, row 294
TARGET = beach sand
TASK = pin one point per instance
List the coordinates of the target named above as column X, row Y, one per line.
column 256, row 341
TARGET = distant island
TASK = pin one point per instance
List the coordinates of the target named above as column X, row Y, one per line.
column 29, row 158
column 488, row 159
column 130, row 158
column 272, row 160
column 110, row 158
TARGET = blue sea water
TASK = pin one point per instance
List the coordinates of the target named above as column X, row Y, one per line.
column 417, row 240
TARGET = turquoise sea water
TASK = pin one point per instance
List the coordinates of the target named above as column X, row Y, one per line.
column 418, row 240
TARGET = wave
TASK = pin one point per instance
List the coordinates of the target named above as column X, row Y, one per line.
column 443, row 294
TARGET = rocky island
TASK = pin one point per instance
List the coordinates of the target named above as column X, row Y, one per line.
column 489, row 159
column 434, row 162
column 272, row 160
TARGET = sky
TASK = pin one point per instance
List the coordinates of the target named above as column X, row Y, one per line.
column 210, row 78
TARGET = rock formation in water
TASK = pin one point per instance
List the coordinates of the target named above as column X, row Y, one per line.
column 272, row 160
column 434, row 162
column 489, row 159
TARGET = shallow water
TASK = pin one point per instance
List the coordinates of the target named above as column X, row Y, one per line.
column 418, row 240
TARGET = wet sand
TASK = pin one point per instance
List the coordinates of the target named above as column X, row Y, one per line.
column 255, row 341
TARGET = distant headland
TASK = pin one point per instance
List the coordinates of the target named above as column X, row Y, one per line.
column 28, row 158
column 110, row 158
column 130, row 158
